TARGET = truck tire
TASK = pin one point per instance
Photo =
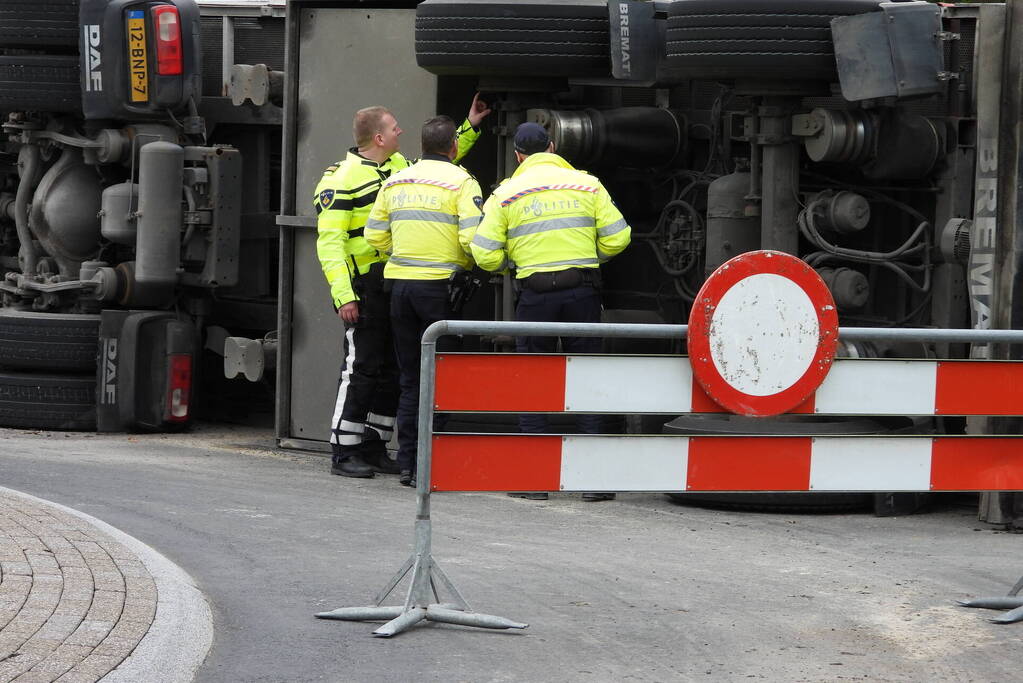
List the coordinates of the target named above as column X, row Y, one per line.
column 36, row 24
column 754, row 39
column 47, row 83
column 508, row 38
column 47, row 401
column 48, row 341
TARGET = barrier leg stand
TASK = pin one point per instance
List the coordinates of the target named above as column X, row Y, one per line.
column 1012, row 602
column 422, row 602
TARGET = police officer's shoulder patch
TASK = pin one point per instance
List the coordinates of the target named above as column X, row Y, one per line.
column 478, row 201
column 326, row 197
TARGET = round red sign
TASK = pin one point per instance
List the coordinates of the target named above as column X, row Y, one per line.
column 762, row 333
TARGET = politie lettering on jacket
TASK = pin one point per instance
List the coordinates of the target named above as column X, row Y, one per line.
column 405, row 198
column 555, row 206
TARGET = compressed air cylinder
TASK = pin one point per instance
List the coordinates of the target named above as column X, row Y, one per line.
column 158, row 242
column 118, row 223
column 732, row 229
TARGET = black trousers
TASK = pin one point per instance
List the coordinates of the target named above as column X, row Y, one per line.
column 367, row 393
column 576, row 305
column 415, row 305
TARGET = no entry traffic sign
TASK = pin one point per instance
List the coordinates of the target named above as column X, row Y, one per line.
column 762, row 333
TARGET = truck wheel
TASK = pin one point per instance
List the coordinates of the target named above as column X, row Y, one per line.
column 524, row 38
column 752, row 39
column 40, row 83
column 48, row 341
column 47, row 401
column 36, row 24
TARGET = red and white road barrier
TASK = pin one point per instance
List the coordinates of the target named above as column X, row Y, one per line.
column 762, row 335
column 665, row 384
column 473, row 462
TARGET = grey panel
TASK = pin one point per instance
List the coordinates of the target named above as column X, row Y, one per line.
column 347, row 59
column 352, row 59
column 893, row 53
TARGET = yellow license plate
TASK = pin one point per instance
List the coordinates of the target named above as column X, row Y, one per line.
column 138, row 62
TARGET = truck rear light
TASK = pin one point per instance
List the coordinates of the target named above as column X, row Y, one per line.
column 179, row 387
column 168, row 40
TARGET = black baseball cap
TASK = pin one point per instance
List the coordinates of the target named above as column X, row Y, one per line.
column 531, row 138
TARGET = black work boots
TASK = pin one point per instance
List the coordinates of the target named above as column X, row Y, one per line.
column 350, row 466
column 363, row 461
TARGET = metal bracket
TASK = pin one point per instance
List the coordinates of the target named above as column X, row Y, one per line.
column 1011, row 602
column 422, row 602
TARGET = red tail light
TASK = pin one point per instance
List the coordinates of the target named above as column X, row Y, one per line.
column 168, row 40
column 179, row 387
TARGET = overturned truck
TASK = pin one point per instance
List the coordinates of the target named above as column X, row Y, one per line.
column 878, row 141
column 136, row 205
column 864, row 137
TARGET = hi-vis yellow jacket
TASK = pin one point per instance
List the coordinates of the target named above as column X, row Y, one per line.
column 425, row 217
column 343, row 199
column 549, row 216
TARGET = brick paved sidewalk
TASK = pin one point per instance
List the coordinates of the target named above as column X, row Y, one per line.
column 74, row 602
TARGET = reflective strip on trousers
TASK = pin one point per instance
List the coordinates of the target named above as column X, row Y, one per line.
column 356, row 427
column 342, row 388
column 376, row 420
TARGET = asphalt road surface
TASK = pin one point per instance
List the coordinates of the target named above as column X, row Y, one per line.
column 637, row 589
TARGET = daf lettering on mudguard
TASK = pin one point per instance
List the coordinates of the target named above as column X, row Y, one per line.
column 93, row 75
column 109, row 378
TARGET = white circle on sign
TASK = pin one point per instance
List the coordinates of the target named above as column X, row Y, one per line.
column 764, row 334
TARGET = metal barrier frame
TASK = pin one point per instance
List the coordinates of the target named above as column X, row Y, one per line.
column 422, row 601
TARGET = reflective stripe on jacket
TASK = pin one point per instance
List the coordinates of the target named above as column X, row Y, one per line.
column 425, row 217
column 549, row 216
column 343, row 200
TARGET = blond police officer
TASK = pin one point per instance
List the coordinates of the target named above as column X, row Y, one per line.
column 367, row 396
column 424, row 217
column 554, row 225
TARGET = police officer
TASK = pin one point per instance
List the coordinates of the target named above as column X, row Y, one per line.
column 555, row 225
column 424, row 217
column 367, row 396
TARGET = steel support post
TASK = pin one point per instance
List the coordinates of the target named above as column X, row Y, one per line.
column 779, row 177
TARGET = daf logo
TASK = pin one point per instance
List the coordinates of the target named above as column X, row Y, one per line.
column 91, row 43
column 109, row 372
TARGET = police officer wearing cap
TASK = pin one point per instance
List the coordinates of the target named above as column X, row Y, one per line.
column 554, row 225
column 424, row 217
column 367, row 396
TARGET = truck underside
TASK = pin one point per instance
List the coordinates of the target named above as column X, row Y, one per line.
column 136, row 207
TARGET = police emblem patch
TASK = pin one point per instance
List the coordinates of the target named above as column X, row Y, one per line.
column 478, row 201
column 326, row 197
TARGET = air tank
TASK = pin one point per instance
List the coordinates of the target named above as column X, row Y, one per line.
column 160, row 217
column 733, row 226
column 117, row 222
column 631, row 136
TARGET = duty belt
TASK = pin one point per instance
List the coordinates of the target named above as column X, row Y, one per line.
column 557, row 280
